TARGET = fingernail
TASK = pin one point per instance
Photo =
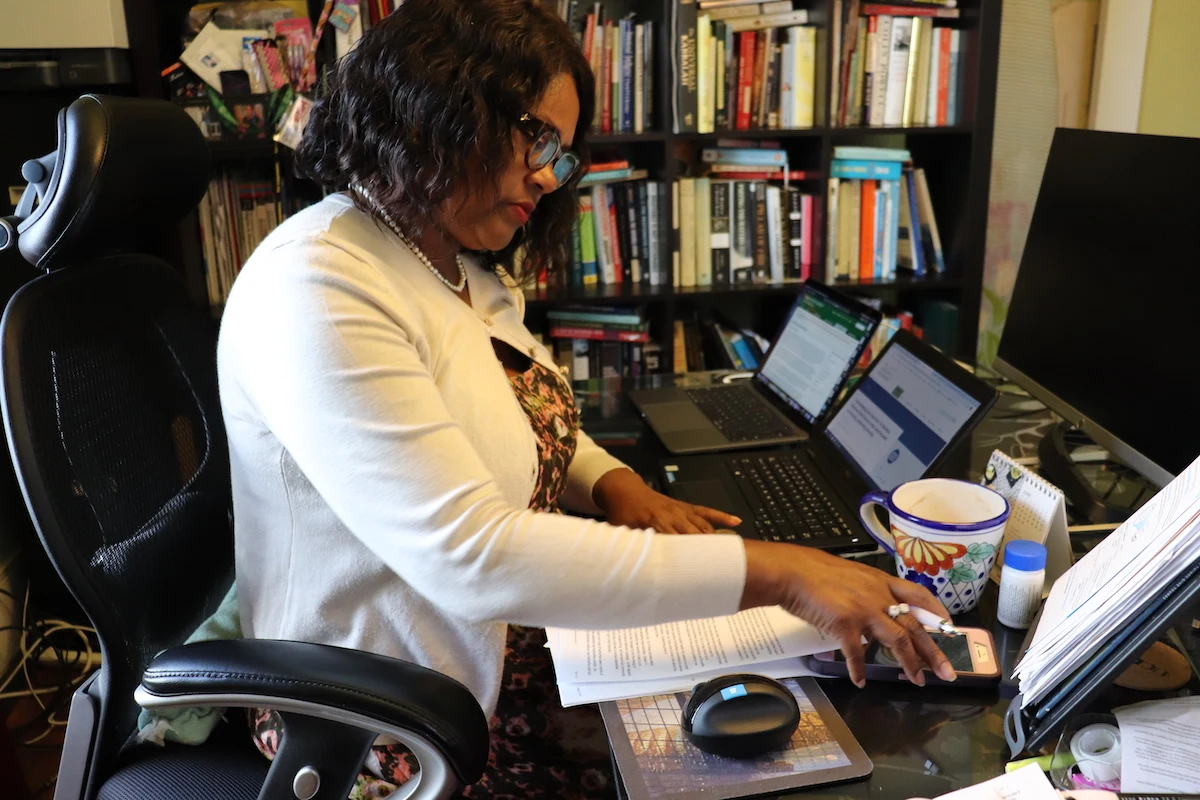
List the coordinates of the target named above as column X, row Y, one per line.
column 736, row 520
column 920, row 679
column 860, row 682
column 946, row 672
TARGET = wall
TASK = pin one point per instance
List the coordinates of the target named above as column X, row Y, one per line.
column 1170, row 96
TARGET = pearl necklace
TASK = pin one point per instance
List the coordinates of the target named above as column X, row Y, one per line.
column 457, row 288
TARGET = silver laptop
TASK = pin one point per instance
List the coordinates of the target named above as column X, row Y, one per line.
column 822, row 339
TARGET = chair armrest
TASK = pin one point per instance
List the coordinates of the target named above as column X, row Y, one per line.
column 349, row 686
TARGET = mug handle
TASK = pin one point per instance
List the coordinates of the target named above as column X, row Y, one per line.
column 876, row 531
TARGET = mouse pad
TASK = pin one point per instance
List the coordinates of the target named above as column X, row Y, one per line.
column 655, row 761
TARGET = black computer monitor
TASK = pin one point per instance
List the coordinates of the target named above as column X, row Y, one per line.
column 1105, row 315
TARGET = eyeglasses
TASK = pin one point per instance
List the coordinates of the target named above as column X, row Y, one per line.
column 546, row 149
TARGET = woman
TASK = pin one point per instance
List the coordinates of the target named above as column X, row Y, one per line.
column 399, row 439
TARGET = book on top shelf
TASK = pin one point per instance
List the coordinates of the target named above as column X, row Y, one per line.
column 621, row 55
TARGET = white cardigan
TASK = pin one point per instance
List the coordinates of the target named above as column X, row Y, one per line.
column 382, row 467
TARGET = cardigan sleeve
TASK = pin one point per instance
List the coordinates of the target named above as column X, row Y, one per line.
column 336, row 374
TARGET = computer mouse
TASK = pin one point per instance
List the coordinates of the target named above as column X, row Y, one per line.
column 740, row 716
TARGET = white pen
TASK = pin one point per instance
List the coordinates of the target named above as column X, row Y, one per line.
column 931, row 620
column 926, row 618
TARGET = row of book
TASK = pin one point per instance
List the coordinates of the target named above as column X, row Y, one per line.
column 880, row 216
column 898, row 68
column 599, row 342
column 621, row 53
column 742, row 65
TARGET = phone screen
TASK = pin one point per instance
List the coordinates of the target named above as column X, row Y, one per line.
column 956, row 648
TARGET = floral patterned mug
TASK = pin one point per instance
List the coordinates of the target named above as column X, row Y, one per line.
column 944, row 535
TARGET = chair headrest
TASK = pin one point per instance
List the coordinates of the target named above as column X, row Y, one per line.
column 123, row 164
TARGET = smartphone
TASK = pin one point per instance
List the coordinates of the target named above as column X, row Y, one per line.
column 972, row 655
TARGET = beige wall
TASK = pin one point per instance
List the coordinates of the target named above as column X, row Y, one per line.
column 1171, row 82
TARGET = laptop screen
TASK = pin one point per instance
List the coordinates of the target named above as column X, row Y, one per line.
column 899, row 419
column 814, row 353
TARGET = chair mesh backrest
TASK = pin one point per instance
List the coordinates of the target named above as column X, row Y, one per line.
column 113, row 412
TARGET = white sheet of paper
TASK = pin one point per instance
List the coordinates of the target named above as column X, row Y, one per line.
column 683, row 648
column 1160, row 746
column 577, row 694
column 214, row 51
column 1026, row 783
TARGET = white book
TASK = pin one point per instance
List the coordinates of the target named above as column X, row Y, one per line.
column 687, row 231
column 897, row 70
column 831, row 237
column 702, row 197
column 600, row 216
column 639, row 77
column 764, row 21
column 775, row 232
column 804, row 39
column 879, row 82
column 654, row 248
column 676, row 259
column 616, row 56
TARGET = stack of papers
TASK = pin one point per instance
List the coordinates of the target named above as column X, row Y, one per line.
column 596, row 666
column 1108, row 587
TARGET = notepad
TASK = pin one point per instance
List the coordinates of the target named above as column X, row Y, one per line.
column 1038, row 513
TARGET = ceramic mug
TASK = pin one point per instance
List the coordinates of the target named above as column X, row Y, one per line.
column 944, row 535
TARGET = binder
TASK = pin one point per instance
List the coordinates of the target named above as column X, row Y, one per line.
column 1030, row 728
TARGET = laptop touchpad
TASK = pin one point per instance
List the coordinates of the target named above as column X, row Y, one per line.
column 675, row 417
column 703, row 493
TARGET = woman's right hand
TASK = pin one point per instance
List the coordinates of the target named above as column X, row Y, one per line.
column 846, row 600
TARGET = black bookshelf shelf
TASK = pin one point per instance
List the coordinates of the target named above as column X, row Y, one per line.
column 902, row 281
column 637, row 293
column 602, row 139
column 914, row 130
column 757, row 133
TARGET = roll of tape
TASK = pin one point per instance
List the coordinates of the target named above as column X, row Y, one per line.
column 1097, row 751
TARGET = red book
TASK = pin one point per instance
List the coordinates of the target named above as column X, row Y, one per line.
column 943, row 81
column 589, row 36
column 608, row 165
column 598, row 334
column 745, row 82
column 605, row 87
column 875, row 9
column 806, row 238
column 866, row 236
column 611, row 231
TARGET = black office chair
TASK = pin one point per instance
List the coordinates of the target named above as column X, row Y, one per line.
column 111, row 409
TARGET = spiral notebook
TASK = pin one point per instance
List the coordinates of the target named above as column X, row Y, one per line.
column 1038, row 513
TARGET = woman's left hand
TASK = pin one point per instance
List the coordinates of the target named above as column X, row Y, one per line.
column 627, row 500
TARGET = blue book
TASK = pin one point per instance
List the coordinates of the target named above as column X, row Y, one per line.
column 893, row 234
column 865, row 170
column 881, row 235
column 605, row 175
column 853, row 153
column 743, row 351
column 914, row 224
column 748, row 157
column 627, row 42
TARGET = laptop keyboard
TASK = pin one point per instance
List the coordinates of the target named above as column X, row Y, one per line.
column 787, row 502
column 739, row 414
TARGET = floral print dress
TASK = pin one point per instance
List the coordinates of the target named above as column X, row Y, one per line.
column 538, row 749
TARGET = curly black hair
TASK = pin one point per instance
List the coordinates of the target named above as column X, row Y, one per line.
column 426, row 103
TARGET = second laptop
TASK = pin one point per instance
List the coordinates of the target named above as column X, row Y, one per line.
column 821, row 341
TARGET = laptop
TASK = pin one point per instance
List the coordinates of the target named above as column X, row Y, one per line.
column 822, row 339
column 897, row 424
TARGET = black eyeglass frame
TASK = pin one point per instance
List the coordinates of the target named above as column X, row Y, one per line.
column 535, row 129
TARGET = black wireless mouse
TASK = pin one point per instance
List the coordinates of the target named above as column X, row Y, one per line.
column 740, row 716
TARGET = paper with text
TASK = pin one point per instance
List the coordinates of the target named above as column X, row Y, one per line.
column 1160, row 746
column 1026, row 783
column 683, row 648
column 577, row 694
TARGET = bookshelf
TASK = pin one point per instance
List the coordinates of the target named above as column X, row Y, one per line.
column 955, row 157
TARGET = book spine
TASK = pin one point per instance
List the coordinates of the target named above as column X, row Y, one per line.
column 866, row 234
column 913, row 66
column 745, row 86
column 639, row 78
column 587, row 235
column 775, row 233
column 771, row 87
column 627, row 76
column 687, row 232
column 651, row 83
column 654, row 212
column 703, row 204
column 893, row 229
column 687, row 106
column 634, row 273
column 762, row 257
column 832, row 230
column 643, row 219
column 793, row 268
column 604, row 87
column 720, row 104
column 597, row 334
column 953, row 99
column 742, row 225
column 932, row 84
column 721, row 239
column 808, row 255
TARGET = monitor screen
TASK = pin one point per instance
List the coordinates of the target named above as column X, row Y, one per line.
column 899, row 419
column 815, row 351
column 1100, row 324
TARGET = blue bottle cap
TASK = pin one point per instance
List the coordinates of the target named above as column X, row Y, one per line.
column 1025, row 556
